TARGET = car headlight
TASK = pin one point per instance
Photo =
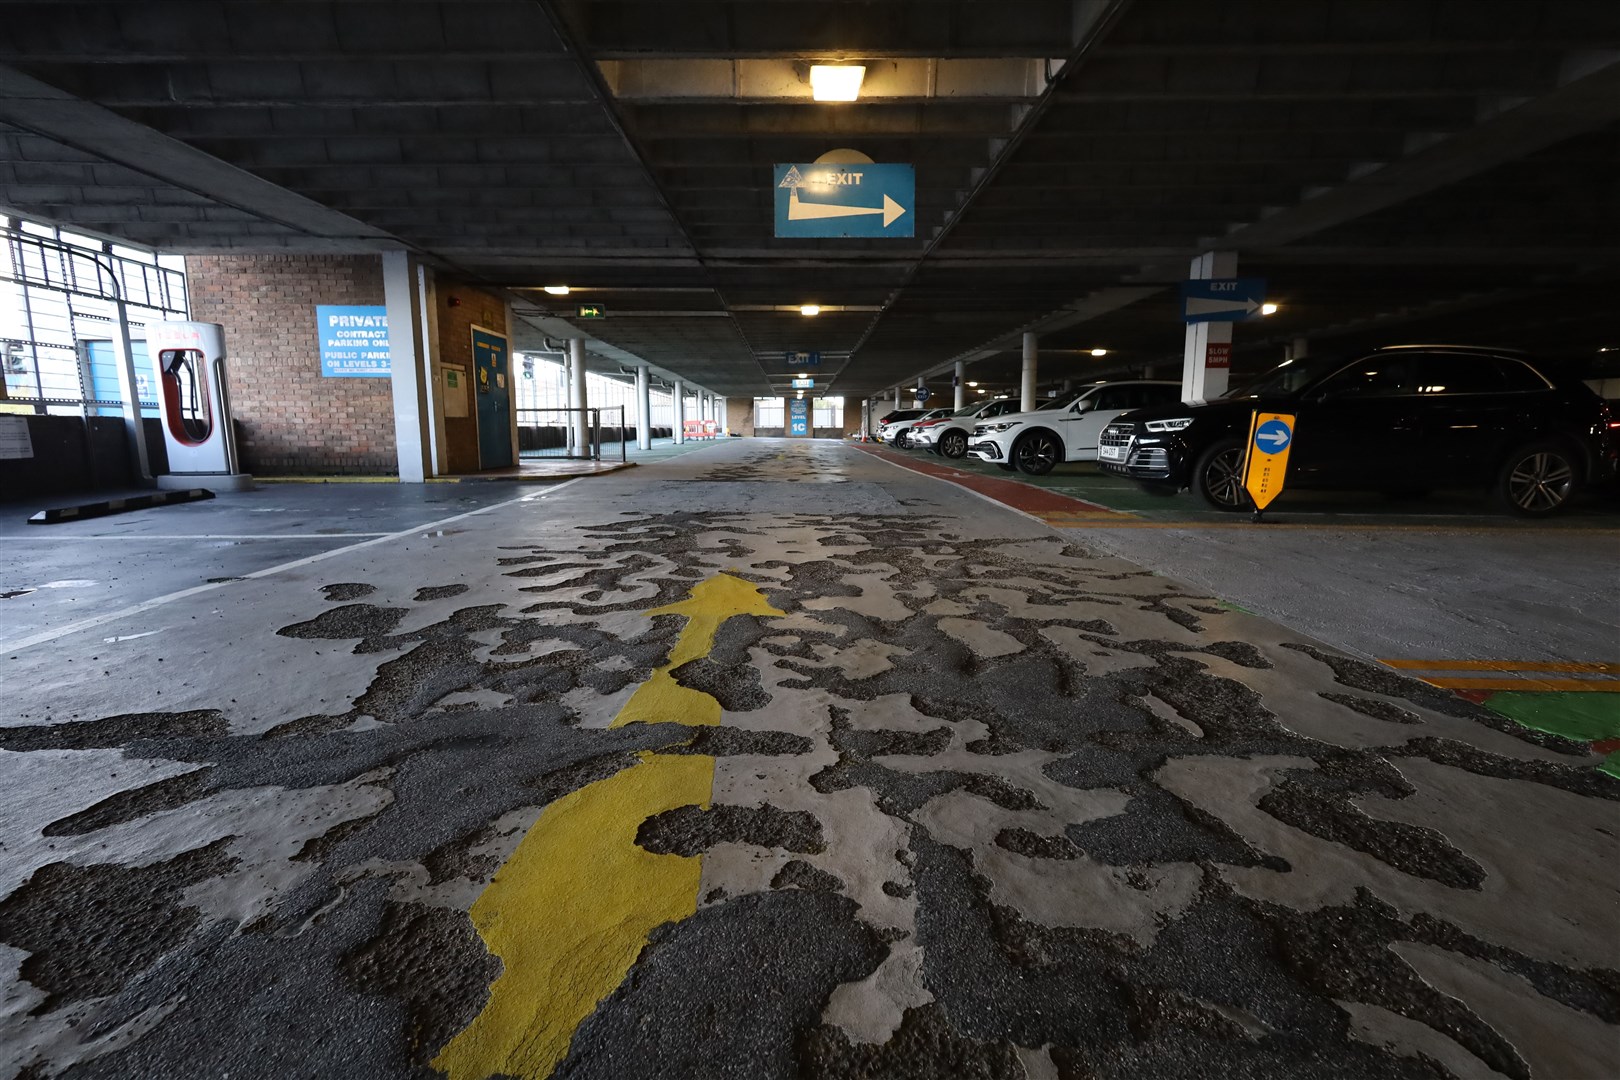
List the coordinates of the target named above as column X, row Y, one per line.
column 1177, row 424
column 1006, row 426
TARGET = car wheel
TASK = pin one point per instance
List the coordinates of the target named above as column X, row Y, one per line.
column 1218, row 477
column 1538, row 479
column 1036, row 453
column 1161, row 488
column 902, row 440
column 953, row 444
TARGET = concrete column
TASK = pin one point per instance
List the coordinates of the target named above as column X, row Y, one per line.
column 433, row 375
column 435, row 439
column 412, row 422
column 643, row 408
column 1206, row 362
column 679, row 395
column 577, row 398
column 1027, row 397
column 1301, row 347
column 134, row 426
column 959, row 398
column 897, row 397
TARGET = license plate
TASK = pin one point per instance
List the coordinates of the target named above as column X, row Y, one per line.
column 1111, row 453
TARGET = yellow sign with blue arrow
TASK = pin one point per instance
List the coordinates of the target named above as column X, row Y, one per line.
column 1271, row 436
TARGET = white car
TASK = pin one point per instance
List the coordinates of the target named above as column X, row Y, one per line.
column 885, row 427
column 1066, row 428
column 899, row 432
column 949, row 435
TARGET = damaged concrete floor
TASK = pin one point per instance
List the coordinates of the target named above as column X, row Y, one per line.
column 776, row 761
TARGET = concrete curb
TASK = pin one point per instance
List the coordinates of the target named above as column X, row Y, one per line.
column 59, row 514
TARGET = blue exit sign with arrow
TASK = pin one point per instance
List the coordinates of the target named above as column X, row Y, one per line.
column 1222, row 299
column 819, row 201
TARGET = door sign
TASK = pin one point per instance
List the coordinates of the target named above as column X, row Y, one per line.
column 803, row 359
column 1265, row 465
column 1221, row 299
column 831, row 201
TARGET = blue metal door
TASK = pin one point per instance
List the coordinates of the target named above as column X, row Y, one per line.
column 492, row 374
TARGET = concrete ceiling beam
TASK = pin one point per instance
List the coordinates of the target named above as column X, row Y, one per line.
column 1587, row 98
column 887, row 80
column 634, row 29
column 137, row 153
column 655, row 123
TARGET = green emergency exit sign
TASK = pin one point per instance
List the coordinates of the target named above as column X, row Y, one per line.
column 592, row 311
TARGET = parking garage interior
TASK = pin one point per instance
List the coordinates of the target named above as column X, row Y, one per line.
column 458, row 617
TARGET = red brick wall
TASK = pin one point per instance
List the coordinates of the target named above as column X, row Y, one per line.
column 740, row 415
column 291, row 420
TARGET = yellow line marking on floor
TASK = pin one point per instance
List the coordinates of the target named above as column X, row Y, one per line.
column 1595, row 686
column 1596, row 667
column 571, row 910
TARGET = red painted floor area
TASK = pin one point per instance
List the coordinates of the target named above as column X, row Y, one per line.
column 1046, row 505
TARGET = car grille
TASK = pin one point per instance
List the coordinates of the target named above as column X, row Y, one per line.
column 1115, row 436
column 1153, row 457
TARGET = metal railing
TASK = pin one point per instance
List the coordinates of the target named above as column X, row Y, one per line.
column 572, row 433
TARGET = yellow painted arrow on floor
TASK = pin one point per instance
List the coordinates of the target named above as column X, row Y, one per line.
column 572, row 908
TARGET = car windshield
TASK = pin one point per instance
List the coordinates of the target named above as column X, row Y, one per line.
column 1288, row 377
column 968, row 410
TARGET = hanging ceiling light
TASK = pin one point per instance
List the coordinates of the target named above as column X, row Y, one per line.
column 557, row 290
column 810, row 310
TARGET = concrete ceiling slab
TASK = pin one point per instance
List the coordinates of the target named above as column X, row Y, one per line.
column 1391, row 168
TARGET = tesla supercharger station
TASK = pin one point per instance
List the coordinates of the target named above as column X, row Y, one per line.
column 195, row 402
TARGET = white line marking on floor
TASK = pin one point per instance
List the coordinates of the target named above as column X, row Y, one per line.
column 129, row 637
column 46, row 636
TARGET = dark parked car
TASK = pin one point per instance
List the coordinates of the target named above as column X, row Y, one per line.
column 1401, row 420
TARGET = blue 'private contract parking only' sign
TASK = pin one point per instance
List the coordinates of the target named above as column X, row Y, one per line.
column 829, row 201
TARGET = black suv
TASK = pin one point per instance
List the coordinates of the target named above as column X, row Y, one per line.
column 1401, row 420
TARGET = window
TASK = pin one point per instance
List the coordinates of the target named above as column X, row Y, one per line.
column 1456, row 373
column 768, row 413
column 1118, row 397
column 1519, row 377
column 827, row 414
column 1377, row 376
column 543, row 385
